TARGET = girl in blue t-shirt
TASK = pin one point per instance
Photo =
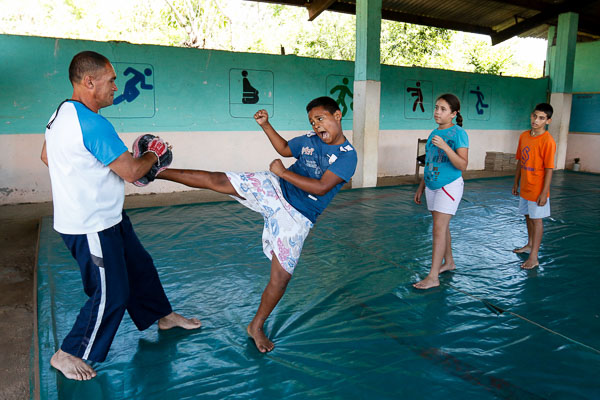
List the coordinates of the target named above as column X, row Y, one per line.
column 446, row 156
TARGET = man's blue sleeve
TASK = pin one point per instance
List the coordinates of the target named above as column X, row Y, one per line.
column 101, row 139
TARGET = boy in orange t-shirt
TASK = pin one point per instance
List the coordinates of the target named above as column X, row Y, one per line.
column 535, row 153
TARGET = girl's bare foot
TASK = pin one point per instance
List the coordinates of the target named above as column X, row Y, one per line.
column 263, row 344
column 72, row 367
column 175, row 320
column 530, row 264
column 445, row 267
column 524, row 249
column 427, row 283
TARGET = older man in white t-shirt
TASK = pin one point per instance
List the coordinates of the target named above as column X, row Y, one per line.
column 88, row 164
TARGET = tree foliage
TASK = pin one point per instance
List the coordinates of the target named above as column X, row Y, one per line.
column 408, row 44
column 487, row 61
column 249, row 26
column 202, row 20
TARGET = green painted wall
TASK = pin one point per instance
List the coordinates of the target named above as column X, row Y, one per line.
column 204, row 90
column 587, row 64
column 585, row 111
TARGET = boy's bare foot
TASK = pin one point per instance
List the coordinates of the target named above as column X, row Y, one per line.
column 530, row 264
column 72, row 367
column 445, row 267
column 263, row 344
column 427, row 283
column 524, row 249
column 175, row 320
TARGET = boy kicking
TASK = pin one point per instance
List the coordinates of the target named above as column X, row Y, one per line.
column 290, row 200
column 535, row 153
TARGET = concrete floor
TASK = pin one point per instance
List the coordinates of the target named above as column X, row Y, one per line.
column 18, row 248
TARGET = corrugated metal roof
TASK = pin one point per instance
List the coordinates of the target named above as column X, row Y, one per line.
column 501, row 19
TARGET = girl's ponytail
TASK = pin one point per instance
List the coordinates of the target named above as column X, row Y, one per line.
column 459, row 119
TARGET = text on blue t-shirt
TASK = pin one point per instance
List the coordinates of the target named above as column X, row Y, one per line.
column 314, row 158
column 439, row 171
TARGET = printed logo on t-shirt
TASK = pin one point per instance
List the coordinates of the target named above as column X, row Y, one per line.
column 332, row 158
column 524, row 158
column 313, row 164
column 525, row 154
column 346, row 148
column 308, row 151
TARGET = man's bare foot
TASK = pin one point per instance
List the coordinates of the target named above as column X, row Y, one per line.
column 175, row 320
column 427, row 283
column 445, row 267
column 72, row 367
column 524, row 249
column 530, row 264
column 263, row 344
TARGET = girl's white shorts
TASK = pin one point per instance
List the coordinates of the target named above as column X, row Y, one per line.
column 447, row 198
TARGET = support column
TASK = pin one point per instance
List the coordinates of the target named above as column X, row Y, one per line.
column 561, row 78
column 367, row 92
column 550, row 50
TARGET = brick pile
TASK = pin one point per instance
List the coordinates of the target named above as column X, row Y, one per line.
column 497, row 161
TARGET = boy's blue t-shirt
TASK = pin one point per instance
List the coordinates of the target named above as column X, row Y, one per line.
column 314, row 158
column 439, row 171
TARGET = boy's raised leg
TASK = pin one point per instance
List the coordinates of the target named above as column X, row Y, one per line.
column 441, row 223
column 537, row 232
column 527, row 247
column 270, row 297
column 216, row 181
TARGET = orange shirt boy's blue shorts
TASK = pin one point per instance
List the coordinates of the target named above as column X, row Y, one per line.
column 536, row 153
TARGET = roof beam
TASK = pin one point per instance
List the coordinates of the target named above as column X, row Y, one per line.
column 548, row 12
column 435, row 22
column 316, row 7
column 528, row 4
column 523, row 26
column 588, row 27
column 543, row 17
column 416, row 19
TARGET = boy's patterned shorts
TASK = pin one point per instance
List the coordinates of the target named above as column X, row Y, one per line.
column 285, row 227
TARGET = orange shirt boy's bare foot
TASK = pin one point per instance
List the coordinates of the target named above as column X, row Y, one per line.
column 263, row 344
column 427, row 283
column 524, row 249
column 72, row 367
column 175, row 320
column 530, row 264
column 445, row 267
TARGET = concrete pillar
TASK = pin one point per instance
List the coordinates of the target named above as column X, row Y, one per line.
column 561, row 78
column 367, row 92
column 550, row 50
column 367, row 95
column 559, row 128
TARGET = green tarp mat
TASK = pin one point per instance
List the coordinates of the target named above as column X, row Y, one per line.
column 350, row 325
